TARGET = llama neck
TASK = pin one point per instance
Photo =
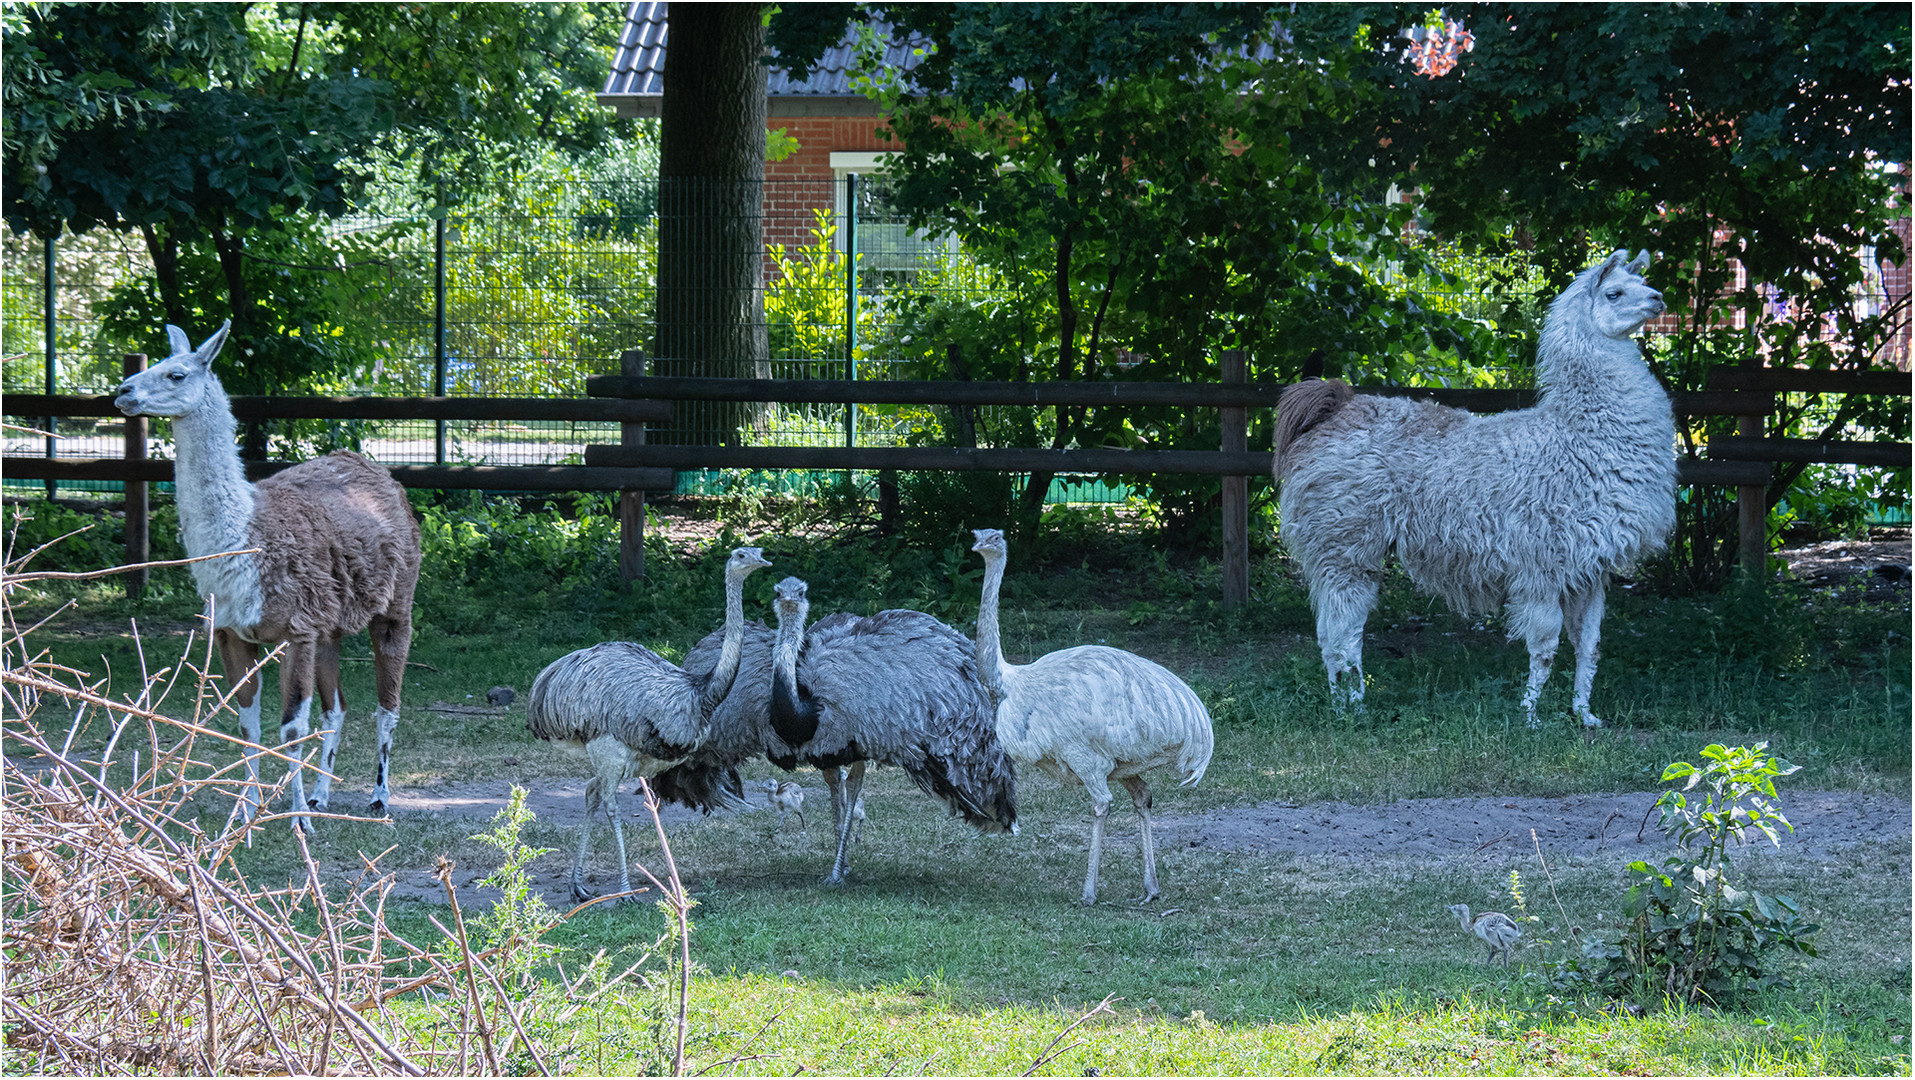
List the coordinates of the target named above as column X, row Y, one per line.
column 215, row 501
column 1583, row 377
column 990, row 655
column 723, row 675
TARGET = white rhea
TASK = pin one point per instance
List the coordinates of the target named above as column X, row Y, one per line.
column 631, row 712
column 1497, row 930
column 898, row 687
column 338, row 553
column 1530, row 510
column 788, row 798
column 1091, row 714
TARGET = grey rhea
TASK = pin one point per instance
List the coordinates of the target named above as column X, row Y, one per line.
column 1091, row 714
column 1529, row 510
column 337, row 551
column 630, row 712
column 1496, row 930
column 898, row 687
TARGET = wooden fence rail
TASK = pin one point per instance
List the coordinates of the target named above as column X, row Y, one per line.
column 634, row 400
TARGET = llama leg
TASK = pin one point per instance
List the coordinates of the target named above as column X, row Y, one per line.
column 851, row 782
column 1343, row 603
column 1140, row 799
column 1540, row 624
column 1583, row 621
column 332, row 716
column 391, row 642
column 238, row 658
column 295, row 718
column 579, row 895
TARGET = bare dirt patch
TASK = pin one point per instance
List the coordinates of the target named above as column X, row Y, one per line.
column 1880, row 564
column 1433, row 832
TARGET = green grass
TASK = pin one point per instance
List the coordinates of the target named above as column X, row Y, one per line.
column 970, row 954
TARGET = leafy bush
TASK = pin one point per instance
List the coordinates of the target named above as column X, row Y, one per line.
column 1688, row 933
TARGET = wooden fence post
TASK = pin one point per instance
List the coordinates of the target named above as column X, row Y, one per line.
column 138, row 542
column 1752, row 512
column 631, row 501
column 1236, row 494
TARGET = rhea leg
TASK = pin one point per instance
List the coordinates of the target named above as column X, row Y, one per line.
column 846, row 785
column 295, row 718
column 332, row 716
column 1583, row 621
column 1140, row 799
column 1098, row 784
column 592, row 787
column 391, row 642
column 239, row 657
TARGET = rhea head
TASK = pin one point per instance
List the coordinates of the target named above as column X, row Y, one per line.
column 744, row 560
column 990, row 542
column 789, row 602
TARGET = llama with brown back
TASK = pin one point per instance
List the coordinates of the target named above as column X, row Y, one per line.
column 1529, row 510
column 338, row 553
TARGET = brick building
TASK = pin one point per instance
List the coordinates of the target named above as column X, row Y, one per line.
column 835, row 126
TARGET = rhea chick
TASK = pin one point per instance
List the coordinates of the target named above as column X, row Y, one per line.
column 788, row 797
column 1497, row 930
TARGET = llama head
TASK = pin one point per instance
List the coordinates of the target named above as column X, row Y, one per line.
column 990, row 543
column 178, row 384
column 744, row 561
column 789, row 602
column 1612, row 297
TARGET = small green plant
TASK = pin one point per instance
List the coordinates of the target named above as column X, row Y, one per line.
column 517, row 920
column 1688, row 933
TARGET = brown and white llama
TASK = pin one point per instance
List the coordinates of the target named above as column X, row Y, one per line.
column 338, row 552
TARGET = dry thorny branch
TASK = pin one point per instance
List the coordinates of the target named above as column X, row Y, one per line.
column 135, row 944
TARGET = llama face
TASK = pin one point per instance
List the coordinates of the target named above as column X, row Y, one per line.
column 177, row 385
column 1621, row 301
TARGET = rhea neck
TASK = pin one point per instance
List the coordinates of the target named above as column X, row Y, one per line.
column 210, row 488
column 794, row 715
column 722, row 676
column 990, row 656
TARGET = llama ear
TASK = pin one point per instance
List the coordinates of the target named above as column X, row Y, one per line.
column 1614, row 260
column 178, row 340
column 211, row 346
column 1640, row 262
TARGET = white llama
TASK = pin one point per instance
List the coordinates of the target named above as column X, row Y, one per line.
column 338, row 552
column 1530, row 509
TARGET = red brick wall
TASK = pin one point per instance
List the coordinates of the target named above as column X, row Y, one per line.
column 802, row 182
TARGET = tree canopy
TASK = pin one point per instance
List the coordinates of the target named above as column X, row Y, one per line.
column 224, row 129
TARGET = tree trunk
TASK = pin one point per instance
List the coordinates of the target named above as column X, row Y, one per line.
column 711, row 246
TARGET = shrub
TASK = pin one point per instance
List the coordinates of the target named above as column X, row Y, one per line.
column 1688, row 933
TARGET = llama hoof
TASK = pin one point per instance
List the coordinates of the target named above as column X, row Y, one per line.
column 376, row 808
column 1591, row 720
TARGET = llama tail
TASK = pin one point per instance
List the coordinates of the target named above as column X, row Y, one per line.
column 1302, row 407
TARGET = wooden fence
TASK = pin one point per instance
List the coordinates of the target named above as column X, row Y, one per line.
column 633, row 399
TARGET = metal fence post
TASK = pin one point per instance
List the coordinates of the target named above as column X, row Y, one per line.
column 439, row 330
column 851, row 302
column 138, row 543
column 1236, row 491
column 47, row 280
column 631, row 501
